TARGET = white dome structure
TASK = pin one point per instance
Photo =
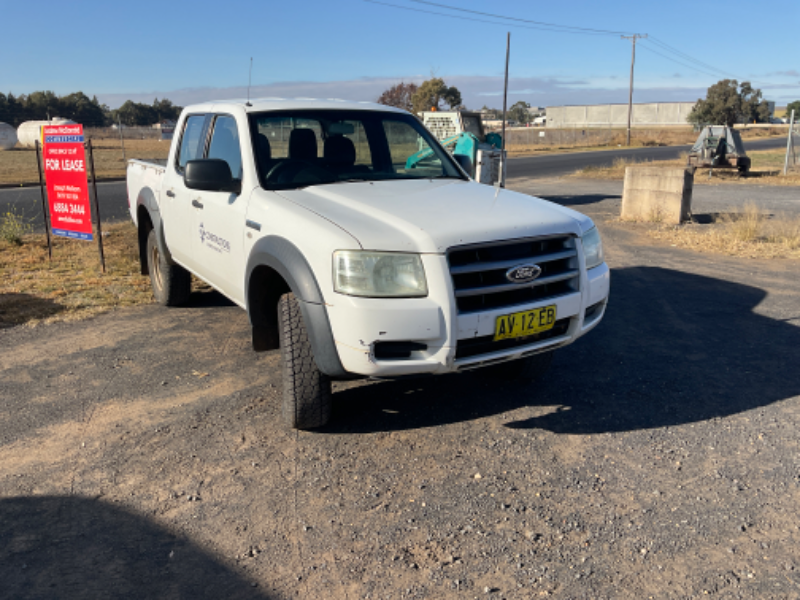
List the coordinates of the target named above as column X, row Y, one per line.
column 30, row 131
column 8, row 136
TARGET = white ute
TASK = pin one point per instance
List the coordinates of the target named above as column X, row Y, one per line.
column 360, row 248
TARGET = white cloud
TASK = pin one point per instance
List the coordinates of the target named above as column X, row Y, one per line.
column 475, row 90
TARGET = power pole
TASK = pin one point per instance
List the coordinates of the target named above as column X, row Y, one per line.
column 633, row 39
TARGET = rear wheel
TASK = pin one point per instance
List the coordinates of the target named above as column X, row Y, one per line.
column 531, row 367
column 306, row 390
column 171, row 283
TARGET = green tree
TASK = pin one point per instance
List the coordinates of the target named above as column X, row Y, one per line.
column 519, row 112
column 432, row 93
column 793, row 106
column 80, row 108
column 399, row 96
column 165, row 110
column 727, row 103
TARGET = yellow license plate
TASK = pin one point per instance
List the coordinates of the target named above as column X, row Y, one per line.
column 524, row 323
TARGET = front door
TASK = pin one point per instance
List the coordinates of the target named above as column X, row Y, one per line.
column 220, row 217
column 177, row 199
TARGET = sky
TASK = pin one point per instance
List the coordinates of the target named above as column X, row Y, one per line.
column 355, row 49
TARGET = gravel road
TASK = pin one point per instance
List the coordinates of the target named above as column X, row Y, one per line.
column 141, row 455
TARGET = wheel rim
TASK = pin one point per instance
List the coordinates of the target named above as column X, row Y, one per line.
column 155, row 266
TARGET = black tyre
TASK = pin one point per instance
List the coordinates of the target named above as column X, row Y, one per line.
column 171, row 283
column 306, row 390
column 532, row 367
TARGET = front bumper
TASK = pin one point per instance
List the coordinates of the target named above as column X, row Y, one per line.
column 452, row 341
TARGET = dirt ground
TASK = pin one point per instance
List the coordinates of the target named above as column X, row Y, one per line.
column 142, row 455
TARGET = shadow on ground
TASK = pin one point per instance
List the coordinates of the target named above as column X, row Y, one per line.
column 674, row 348
column 581, row 199
column 68, row 547
column 207, row 298
column 16, row 309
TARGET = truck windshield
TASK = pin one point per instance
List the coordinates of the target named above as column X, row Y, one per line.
column 312, row 147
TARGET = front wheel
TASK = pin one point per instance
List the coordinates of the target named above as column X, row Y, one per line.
column 306, row 390
column 171, row 283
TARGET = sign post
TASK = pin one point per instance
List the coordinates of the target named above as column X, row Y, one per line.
column 97, row 208
column 45, row 215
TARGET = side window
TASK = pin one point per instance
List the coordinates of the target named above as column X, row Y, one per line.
column 411, row 154
column 191, row 142
column 225, row 144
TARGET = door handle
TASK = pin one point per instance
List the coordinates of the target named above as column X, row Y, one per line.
column 170, row 193
column 197, row 204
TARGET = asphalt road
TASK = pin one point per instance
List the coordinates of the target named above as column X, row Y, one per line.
column 555, row 165
column 114, row 199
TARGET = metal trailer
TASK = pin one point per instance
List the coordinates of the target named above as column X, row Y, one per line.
column 719, row 147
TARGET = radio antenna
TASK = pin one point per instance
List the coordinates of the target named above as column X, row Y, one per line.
column 249, row 81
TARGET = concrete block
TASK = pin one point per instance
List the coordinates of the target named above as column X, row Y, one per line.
column 658, row 194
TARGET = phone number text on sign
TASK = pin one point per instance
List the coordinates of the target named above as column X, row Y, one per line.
column 67, row 187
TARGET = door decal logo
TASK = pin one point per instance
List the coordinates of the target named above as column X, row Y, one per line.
column 213, row 241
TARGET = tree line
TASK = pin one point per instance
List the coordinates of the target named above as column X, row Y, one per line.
column 78, row 107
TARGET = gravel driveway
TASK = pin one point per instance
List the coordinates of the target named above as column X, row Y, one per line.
column 142, row 455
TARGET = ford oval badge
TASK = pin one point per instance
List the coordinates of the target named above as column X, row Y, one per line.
column 523, row 273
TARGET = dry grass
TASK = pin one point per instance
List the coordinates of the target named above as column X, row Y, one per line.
column 72, row 287
column 19, row 166
column 767, row 167
column 746, row 233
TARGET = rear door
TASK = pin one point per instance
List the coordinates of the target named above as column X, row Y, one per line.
column 220, row 216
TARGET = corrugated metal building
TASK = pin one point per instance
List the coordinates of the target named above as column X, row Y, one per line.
column 616, row 115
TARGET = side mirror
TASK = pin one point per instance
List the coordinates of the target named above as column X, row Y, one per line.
column 211, row 175
column 465, row 163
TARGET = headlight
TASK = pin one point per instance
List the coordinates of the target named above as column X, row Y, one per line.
column 592, row 248
column 378, row 274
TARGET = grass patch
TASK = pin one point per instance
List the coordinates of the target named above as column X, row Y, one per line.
column 72, row 287
column 18, row 166
column 747, row 233
column 13, row 226
column 767, row 169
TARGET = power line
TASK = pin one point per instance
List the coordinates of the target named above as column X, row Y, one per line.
column 463, row 18
column 542, row 23
column 676, row 61
column 677, row 52
column 669, row 48
column 683, row 58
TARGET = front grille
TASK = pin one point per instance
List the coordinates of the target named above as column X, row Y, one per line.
column 479, row 272
column 484, row 345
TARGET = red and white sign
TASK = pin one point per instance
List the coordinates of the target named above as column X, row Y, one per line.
column 67, row 186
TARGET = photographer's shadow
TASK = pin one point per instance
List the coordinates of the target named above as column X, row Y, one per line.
column 70, row 547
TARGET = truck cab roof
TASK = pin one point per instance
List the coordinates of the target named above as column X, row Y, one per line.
column 276, row 104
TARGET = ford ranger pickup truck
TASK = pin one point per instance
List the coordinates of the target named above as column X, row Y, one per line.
column 353, row 256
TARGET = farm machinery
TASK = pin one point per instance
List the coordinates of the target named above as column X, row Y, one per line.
column 719, row 147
